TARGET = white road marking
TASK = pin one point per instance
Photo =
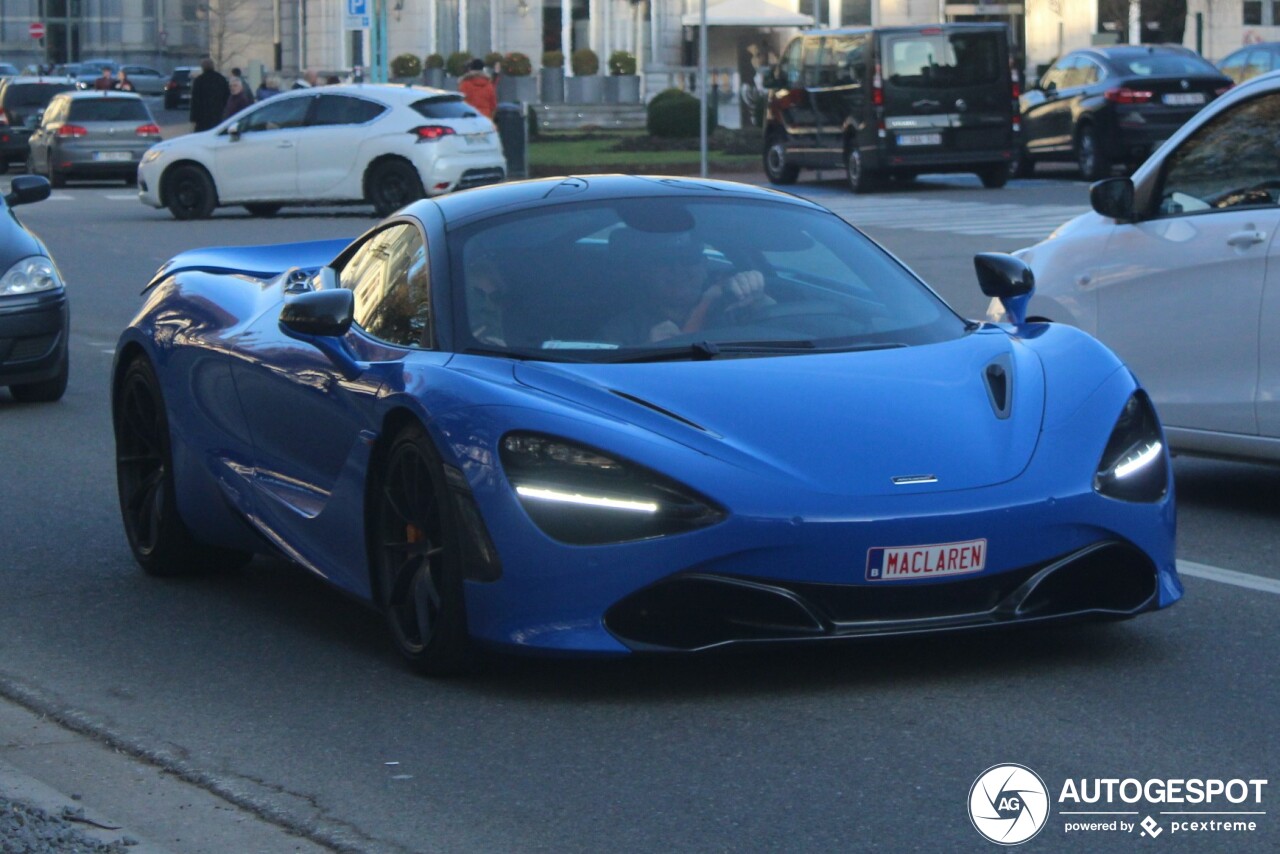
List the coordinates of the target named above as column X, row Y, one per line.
column 1229, row 576
column 121, row 197
column 1027, row 222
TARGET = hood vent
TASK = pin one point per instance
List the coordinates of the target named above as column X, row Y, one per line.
column 999, row 379
column 658, row 409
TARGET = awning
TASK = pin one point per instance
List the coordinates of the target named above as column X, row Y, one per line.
column 747, row 13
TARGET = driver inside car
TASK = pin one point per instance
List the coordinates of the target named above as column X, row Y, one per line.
column 677, row 293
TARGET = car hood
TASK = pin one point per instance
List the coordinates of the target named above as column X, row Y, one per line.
column 865, row 423
column 261, row 262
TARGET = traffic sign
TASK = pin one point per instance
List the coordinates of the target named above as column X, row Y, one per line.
column 35, row 30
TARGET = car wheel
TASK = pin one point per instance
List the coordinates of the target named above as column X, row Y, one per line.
column 191, row 193
column 415, row 557
column 861, row 180
column 994, row 177
column 1092, row 159
column 160, row 541
column 56, row 178
column 46, row 391
column 391, row 185
column 263, row 209
column 777, row 167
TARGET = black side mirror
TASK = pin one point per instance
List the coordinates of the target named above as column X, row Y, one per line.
column 327, row 314
column 26, row 189
column 1113, row 197
column 1008, row 279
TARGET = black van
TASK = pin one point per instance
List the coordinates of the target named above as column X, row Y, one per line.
column 894, row 101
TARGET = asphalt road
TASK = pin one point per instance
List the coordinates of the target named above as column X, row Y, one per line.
column 266, row 687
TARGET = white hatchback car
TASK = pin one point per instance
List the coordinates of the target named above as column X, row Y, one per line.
column 1178, row 272
column 378, row 144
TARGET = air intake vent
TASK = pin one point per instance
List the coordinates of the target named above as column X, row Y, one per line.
column 999, row 378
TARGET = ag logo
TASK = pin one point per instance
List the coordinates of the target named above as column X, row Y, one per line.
column 1008, row 804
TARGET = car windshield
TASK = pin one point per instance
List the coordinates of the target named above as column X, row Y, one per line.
column 108, row 110
column 663, row 278
column 1165, row 65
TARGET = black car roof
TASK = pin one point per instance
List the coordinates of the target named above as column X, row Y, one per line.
column 503, row 198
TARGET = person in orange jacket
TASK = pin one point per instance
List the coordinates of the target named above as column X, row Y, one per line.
column 477, row 89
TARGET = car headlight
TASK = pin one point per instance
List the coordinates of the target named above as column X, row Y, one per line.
column 1135, row 464
column 29, row 276
column 151, row 155
column 579, row 495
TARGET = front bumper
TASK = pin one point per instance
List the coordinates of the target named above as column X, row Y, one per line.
column 33, row 337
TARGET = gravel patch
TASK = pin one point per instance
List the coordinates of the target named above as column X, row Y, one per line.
column 26, row 829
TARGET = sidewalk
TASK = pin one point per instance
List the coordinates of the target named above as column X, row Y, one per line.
column 97, row 799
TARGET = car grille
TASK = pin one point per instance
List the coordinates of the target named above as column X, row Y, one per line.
column 481, row 177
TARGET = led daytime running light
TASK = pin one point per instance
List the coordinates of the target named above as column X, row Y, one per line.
column 587, row 500
column 1139, row 459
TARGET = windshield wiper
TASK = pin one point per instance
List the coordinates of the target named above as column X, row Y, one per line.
column 697, row 352
column 522, row 354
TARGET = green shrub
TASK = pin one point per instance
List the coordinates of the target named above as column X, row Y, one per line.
column 673, row 113
column 516, row 64
column 622, row 62
column 457, row 63
column 492, row 58
column 433, row 60
column 406, row 65
column 585, row 62
column 553, row 59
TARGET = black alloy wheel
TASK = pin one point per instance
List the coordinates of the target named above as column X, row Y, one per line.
column 415, row 556
column 391, row 185
column 1093, row 161
column 994, row 177
column 777, row 167
column 861, row 180
column 190, row 193
column 160, row 541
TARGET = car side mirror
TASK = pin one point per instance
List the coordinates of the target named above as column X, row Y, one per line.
column 233, row 131
column 25, row 189
column 1009, row 280
column 1113, row 197
column 325, row 313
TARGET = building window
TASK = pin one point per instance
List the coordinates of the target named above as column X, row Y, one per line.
column 855, row 13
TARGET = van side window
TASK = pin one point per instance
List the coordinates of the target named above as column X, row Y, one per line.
column 790, row 65
column 812, row 50
column 848, row 55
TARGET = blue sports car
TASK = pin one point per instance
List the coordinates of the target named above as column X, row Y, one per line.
column 616, row 414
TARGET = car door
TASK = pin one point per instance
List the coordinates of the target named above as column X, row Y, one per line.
column 791, row 102
column 1041, row 104
column 841, row 98
column 328, row 153
column 260, row 162
column 1180, row 293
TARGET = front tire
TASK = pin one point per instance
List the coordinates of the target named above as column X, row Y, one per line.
column 191, row 193
column 777, row 166
column 1090, row 155
column 415, row 557
column 161, row 543
column 391, row 185
column 994, row 177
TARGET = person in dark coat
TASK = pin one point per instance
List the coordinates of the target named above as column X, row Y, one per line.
column 238, row 99
column 209, row 94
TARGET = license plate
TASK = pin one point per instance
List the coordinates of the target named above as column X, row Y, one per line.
column 900, row 563
column 112, row 155
column 477, row 138
column 919, row 139
column 1184, row 99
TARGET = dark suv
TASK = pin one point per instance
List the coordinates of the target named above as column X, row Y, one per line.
column 893, row 101
column 177, row 91
column 1104, row 105
column 22, row 100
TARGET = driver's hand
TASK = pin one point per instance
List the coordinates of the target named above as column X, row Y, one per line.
column 744, row 287
column 664, row 330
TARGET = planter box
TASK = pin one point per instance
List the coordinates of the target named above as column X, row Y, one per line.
column 622, row 89
column 434, row 77
column 521, row 89
column 551, row 85
column 585, row 89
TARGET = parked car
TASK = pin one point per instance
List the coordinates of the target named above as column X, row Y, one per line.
column 177, row 89
column 146, row 80
column 33, row 304
column 490, row 459
column 22, row 100
column 1176, row 270
column 88, row 71
column 1250, row 61
column 1100, row 106
column 893, row 101
column 92, row 135
column 382, row 145
column 8, row 69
